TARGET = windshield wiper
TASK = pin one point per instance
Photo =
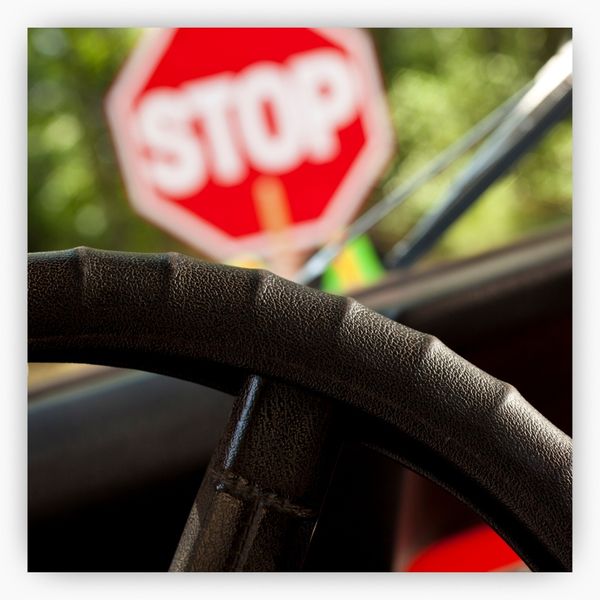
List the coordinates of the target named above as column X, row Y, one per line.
column 513, row 128
column 546, row 103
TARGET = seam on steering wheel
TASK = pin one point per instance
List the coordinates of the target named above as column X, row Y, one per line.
column 242, row 488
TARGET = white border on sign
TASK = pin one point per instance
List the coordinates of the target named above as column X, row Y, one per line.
column 208, row 238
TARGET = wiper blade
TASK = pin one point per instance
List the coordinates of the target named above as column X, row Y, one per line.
column 546, row 103
column 513, row 128
column 317, row 264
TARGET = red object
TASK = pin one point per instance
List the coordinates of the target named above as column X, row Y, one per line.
column 473, row 550
column 199, row 114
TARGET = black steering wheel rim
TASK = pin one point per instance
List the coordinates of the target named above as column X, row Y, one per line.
column 428, row 408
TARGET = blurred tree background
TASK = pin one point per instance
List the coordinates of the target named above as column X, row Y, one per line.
column 440, row 82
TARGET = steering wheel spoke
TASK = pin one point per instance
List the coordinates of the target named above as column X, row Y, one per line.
column 262, row 493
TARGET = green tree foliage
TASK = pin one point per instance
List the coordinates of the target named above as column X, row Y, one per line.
column 76, row 194
column 439, row 82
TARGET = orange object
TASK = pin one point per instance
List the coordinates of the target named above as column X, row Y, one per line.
column 273, row 213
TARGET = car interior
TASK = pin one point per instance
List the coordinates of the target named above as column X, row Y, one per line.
column 116, row 456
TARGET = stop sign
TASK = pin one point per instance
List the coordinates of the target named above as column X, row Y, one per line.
column 226, row 134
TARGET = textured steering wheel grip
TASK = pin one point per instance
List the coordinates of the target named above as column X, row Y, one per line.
column 214, row 324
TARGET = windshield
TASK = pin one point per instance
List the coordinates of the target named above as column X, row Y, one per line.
column 439, row 83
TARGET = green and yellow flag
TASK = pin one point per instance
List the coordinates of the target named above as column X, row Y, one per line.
column 356, row 267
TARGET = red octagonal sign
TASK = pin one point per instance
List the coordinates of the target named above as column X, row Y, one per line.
column 226, row 135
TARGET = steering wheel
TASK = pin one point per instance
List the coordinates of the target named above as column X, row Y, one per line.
column 308, row 367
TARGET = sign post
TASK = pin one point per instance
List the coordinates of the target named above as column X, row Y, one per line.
column 250, row 141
